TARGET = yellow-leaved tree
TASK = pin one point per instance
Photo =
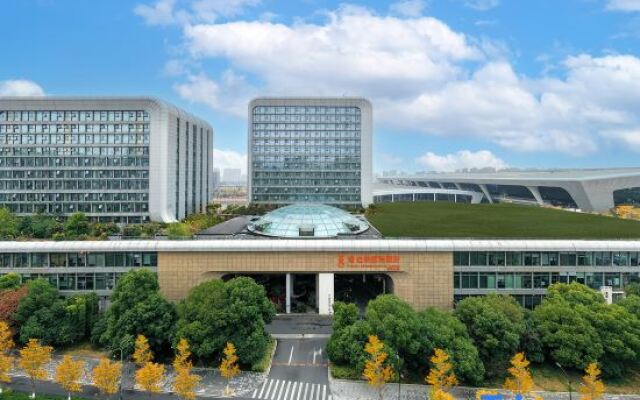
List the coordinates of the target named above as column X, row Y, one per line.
column 150, row 375
column 229, row 366
column 6, row 360
column 106, row 376
column 592, row 387
column 441, row 376
column 520, row 382
column 185, row 383
column 33, row 358
column 68, row 375
column 142, row 353
column 376, row 371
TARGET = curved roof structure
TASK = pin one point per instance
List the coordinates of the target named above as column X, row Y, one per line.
column 308, row 220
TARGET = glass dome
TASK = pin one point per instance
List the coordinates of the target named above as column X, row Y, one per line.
column 308, row 220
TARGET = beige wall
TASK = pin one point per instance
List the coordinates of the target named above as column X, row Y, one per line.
column 423, row 279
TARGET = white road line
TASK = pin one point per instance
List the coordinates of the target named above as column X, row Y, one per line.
column 314, row 356
column 261, row 389
column 279, row 391
column 324, row 392
column 306, row 387
column 286, row 392
column 300, row 390
column 293, row 390
column 291, row 355
column 272, row 395
column 318, row 392
column 264, row 385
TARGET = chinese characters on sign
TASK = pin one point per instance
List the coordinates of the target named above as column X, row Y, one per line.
column 387, row 262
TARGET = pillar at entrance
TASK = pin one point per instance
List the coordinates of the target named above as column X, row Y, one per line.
column 288, row 292
column 325, row 294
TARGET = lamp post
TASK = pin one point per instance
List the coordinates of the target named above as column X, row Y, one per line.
column 398, row 370
column 123, row 372
column 568, row 380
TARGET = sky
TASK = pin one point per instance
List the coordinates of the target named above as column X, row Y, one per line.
column 454, row 83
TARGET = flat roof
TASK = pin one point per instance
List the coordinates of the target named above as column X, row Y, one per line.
column 330, row 245
column 547, row 175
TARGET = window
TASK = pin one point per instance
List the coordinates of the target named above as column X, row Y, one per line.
column 602, row 258
column 478, row 258
column 58, row 259
column 621, row 259
column 585, row 258
column 540, row 280
column 514, row 259
column 497, row 258
column 549, row 259
column 568, row 259
column 461, row 258
column 531, row 258
column 487, row 280
column 469, row 280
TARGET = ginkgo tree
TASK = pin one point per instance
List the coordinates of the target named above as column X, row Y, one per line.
column 592, row 387
column 150, row 375
column 106, row 376
column 6, row 360
column 33, row 358
column 377, row 372
column 69, row 372
column 229, row 366
column 184, row 383
column 441, row 376
column 520, row 382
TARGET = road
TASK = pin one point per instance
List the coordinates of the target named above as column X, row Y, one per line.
column 298, row 372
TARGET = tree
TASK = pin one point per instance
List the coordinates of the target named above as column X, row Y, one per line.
column 9, row 302
column 33, row 358
column 592, row 387
column 185, row 382
column 179, row 230
column 216, row 312
column 229, row 366
column 68, row 375
column 106, row 376
column 76, row 226
column 137, row 307
column 150, row 377
column 142, row 353
column 10, row 281
column 6, row 360
column 632, row 289
column 376, row 371
column 496, row 324
column 520, row 382
column 8, row 224
column 441, row 376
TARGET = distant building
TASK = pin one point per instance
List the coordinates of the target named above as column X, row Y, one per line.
column 310, row 150
column 216, row 177
column 119, row 159
column 231, row 175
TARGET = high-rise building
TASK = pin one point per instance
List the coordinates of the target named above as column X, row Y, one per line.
column 310, row 150
column 232, row 175
column 116, row 159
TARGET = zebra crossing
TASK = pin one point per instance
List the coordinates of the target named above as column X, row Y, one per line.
column 280, row 389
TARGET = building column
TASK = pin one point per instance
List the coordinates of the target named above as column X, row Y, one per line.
column 288, row 292
column 325, row 294
column 486, row 193
column 536, row 194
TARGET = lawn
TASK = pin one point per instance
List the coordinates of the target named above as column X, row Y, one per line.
column 450, row 220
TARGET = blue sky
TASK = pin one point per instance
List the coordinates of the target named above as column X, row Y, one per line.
column 454, row 83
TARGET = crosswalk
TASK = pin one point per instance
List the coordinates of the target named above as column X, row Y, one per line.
column 279, row 389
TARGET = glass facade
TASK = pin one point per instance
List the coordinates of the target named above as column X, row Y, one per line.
column 306, row 154
column 477, row 271
column 61, row 162
column 76, row 271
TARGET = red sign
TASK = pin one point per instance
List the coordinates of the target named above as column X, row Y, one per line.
column 386, row 262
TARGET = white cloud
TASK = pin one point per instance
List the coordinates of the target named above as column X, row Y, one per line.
column 20, row 87
column 623, row 5
column 461, row 160
column 159, row 13
column 408, row 8
column 421, row 76
column 481, row 5
column 229, row 159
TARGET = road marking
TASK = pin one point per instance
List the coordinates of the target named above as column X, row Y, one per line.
column 286, row 392
column 276, row 389
column 276, row 392
column 291, row 355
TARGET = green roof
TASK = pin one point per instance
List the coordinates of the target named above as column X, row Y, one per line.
column 450, row 220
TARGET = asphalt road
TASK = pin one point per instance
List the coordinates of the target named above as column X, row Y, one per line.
column 298, row 372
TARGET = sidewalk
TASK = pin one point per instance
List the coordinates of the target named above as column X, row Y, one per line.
column 211, row 385
column 359, row 390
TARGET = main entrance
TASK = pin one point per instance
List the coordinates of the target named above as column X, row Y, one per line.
column 361, row 288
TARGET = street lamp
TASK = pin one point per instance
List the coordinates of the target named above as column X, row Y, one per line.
column 568, row 380
column 123, row 372
column 398, row 370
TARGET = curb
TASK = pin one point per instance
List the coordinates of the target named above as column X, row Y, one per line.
column 284, row 336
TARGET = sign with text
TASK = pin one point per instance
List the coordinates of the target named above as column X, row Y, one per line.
column 376, row 262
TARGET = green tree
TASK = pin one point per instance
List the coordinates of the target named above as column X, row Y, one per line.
column 39, row 226
column 10, row 281
column 137, row 307
column 496, row 324
column 9, row 224
column 632, row 289
column 217, row 312
column 76, row 226
column 442, row 330
column 179, row 230
column 632, row 304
